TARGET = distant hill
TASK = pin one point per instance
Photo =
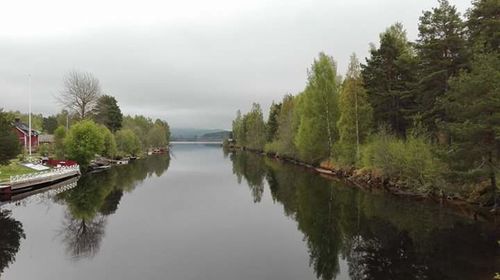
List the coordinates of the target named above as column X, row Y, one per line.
column 219, row 135
column 196, row 134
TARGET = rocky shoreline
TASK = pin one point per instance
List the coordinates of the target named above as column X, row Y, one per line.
column 374, row 182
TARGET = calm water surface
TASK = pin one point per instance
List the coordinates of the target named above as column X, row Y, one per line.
column 206, row 214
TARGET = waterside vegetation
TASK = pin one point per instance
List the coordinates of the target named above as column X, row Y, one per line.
column 419, row 117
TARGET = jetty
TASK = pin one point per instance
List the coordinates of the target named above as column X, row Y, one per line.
column 27, row 182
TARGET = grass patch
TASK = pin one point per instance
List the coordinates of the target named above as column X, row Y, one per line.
column 14, row 168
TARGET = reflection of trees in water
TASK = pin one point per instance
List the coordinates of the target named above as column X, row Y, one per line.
column 82, row 237
column 96, row 197
column 379, row 236
column 11, row 232
column 252, row 168
column 384, row 252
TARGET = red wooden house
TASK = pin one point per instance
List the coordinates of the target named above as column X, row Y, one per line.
column 22, row 132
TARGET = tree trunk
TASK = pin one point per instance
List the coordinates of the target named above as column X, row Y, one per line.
column 493, row 179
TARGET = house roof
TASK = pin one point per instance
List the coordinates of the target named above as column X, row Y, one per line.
column 24, row 128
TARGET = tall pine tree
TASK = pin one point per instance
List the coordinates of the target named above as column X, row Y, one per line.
column 388, row 76
column 442, row 54
column 483, row 25
column 473, row 105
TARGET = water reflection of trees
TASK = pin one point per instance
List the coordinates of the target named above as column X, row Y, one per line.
column 11, row 232
column 252, row 168
column 379, row 236
column 96, row 197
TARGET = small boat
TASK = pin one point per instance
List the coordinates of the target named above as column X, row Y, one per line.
column 98, row 168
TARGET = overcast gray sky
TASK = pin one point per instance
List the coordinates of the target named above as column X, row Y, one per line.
column 191, row 62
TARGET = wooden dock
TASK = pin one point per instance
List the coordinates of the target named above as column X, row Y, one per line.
column 22, row 183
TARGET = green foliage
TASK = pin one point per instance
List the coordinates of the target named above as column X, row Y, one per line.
column 412, row 160
column 140, row 125
column 473, row 105
column 238, row 129
column 441, row 51
column 166, row 130
column 483, row 25
column 388, row 74
column 44, row 149
column 59, row 135
column 272, row 122
column 255, row 128
column 317, row 129
column 83, row 141
column 127, row 142
column 157, row 136
column 49, row 124
column 108, row 113
column 355, row 119
column 9, row 144
column 110, row 149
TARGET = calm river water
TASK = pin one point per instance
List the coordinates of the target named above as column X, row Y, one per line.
column 205, row 214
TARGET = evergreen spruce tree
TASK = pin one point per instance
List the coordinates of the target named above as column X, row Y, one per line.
column 272, row 122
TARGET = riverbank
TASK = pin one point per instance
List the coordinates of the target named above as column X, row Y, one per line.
column 373, row 181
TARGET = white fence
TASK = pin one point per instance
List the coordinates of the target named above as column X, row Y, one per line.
column 44, row 174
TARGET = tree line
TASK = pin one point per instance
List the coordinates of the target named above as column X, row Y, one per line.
column 426, row 113
column 91, row 123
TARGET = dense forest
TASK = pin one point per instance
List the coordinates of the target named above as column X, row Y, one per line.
column 425, row 114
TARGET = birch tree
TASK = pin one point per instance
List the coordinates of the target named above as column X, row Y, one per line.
column 317, row 130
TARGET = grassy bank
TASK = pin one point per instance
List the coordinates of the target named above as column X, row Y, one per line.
column 14, row 168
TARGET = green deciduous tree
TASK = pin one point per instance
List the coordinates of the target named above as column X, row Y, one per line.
column 317, row 130
column 108, row 113
column 83, row 141
column 59, row 135
column 157, row 136
column 255, row 128
column 473, row 104
column 140, row 125
column 166, row 129
column 9, row 144
column 355, row 119
column 238, row 129
column 388, row 76
column 127, row 142
column 110, row 149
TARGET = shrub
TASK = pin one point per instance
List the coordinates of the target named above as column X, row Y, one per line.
column 44, row 149
column 411, row 161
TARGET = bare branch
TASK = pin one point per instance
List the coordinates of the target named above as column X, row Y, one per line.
column 80, row 93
